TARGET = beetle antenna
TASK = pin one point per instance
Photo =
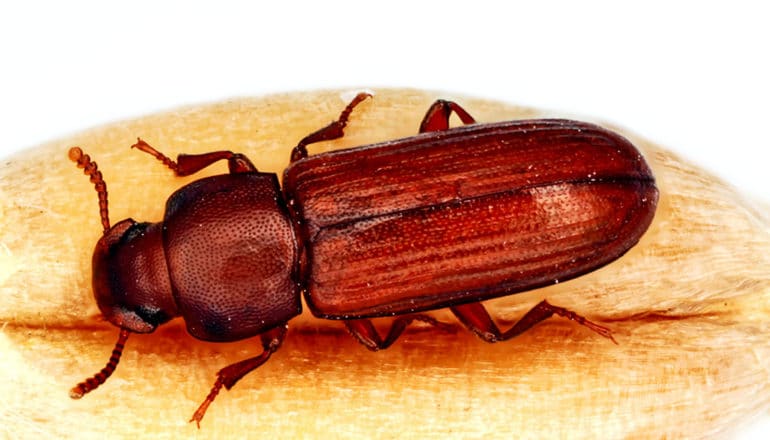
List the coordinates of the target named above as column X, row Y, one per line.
column 91, row 170
column 99, row 378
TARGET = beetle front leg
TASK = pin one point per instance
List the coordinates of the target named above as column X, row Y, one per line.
column 364, row 331
column 437, row 116
column 476, row 318
column 231, row 374
column 187, row 164
column 330, row 132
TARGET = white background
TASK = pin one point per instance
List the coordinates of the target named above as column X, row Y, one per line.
column 693, row 77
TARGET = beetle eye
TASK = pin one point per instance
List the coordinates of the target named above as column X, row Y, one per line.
column 152, row 315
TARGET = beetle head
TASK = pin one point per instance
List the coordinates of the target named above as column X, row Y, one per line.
column 130, row 277
column 130, row 274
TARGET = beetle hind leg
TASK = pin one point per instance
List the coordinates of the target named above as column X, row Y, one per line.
column 476, row 318
column 364, row 331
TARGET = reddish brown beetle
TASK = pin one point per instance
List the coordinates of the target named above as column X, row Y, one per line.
column 447, row 218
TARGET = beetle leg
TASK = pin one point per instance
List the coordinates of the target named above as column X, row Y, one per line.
column 231, row 374
column 187, row 164
column 364, row 331
column 437, row 116
column 476, row 318
column 330, row 132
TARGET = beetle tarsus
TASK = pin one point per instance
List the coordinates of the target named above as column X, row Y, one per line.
column 201, row 411
column 582, row 320
column 147, row 148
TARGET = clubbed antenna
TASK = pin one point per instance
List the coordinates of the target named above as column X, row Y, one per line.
column 92, row 383
column 90, row 169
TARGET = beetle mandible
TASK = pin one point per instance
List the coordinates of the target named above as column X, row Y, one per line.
column 447, row 218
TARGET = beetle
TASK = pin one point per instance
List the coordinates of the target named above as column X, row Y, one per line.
column 443, row 219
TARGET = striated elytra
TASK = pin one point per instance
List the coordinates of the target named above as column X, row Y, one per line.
column 446, row 218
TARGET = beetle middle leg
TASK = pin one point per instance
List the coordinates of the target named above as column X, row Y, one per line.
column 437, row 116
column 364, row 331
column 187, row 164
column 332, row 131
column 476, row 318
